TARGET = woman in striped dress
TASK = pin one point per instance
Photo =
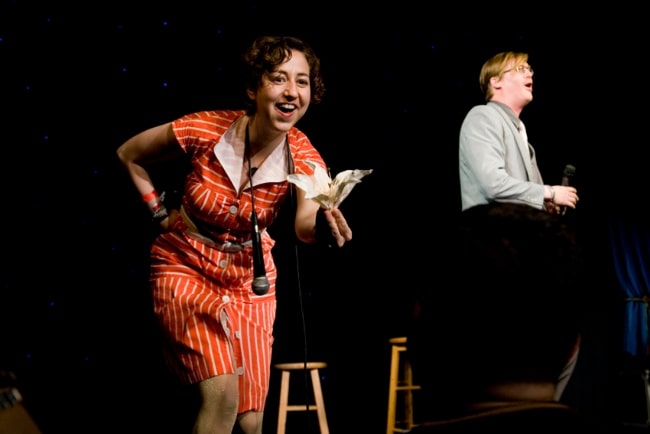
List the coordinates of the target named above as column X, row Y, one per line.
column 206, row 263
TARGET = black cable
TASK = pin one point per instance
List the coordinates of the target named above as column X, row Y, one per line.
column 300, row 302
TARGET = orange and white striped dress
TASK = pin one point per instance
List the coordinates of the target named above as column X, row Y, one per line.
column 202, row 295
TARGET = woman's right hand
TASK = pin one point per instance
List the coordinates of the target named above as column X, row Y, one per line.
column 167, row 224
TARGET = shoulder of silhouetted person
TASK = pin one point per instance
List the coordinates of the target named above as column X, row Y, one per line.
column 509, row 313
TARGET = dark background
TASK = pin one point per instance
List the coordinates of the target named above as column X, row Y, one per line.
column 77, row 327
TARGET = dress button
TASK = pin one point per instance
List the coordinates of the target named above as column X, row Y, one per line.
column 233, row 209
column 223, row 263
column 225, row 298
column 240, row 371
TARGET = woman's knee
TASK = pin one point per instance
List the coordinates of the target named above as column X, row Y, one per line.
column 251, row 422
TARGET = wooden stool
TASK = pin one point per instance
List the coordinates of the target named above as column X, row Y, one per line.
column 319, row 405
column 401, row 381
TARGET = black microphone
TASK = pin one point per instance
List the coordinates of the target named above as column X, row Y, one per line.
column 260, row 281
column 567, row 177
column 569, row 171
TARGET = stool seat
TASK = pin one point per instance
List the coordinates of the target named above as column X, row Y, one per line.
column 300, row 365
column 400, row 383
column 319, row 403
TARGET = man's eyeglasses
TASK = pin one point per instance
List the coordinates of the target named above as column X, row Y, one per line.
column 521, row 68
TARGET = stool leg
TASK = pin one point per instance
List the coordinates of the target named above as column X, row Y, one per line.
column 320, row 402
column 392, row 390
column 408, row 401
column 284, row 402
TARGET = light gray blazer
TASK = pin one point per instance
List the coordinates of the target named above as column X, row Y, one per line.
column 495, row 162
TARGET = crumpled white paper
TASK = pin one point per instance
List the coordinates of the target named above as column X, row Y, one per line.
column 321, row 188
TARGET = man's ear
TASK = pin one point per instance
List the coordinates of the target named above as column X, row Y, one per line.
column 251, row 94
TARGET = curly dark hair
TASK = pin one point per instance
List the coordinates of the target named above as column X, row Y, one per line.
column 267, row 52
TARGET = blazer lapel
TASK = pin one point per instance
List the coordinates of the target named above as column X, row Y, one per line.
column 522, row 143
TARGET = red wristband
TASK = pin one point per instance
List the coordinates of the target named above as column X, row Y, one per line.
column 150, row 196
